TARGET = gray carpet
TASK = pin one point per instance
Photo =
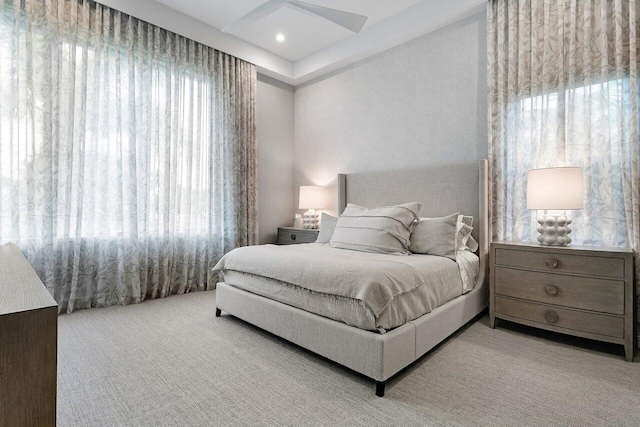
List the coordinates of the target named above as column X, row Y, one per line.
column 170, row 362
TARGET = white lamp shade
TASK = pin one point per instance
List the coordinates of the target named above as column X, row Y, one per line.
column 311, row 197
column 554, row 188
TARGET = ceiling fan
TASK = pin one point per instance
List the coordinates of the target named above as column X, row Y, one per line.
column 348, row 20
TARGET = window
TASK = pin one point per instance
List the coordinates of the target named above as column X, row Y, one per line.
column 154, row 132
column 551, row 129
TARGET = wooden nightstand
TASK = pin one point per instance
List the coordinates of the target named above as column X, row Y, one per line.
column 586, row 291
column 292, row 236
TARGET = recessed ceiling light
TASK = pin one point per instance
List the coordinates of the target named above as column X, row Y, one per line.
column 280, row 37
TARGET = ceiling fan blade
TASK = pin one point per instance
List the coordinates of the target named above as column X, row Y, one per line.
column 254, row 16
column 348, row 20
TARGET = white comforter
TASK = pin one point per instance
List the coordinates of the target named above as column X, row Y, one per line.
column 417, row 283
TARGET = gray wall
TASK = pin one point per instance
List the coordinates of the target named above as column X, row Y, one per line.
column 423, row 102
column 275, row 113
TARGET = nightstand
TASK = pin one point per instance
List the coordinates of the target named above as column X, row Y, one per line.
column 292, row 236
column 586, row 291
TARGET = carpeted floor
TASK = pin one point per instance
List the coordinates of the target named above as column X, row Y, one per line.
column 170, row 362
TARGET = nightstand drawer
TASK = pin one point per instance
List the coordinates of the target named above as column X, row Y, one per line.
column 562, row 263
column 556, row 317
column 587, row 293
column 289, row 236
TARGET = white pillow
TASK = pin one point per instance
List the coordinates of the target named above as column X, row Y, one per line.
column 472, row 245
column 464, row 227
column 327, row 227
column 384, row 230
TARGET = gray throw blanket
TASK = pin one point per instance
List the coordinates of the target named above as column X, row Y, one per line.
column 374, row 279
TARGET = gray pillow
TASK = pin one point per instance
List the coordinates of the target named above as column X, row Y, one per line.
column 383, row 230
column 435, row 236
column 327, row 226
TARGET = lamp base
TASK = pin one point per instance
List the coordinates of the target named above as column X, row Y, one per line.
column 311, row 219
column 554, row 230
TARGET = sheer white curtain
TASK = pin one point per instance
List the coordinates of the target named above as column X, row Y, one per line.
column 127, row 152
column 564, row 91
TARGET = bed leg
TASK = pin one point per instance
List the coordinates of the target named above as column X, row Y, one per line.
column 380, row 388
column 218, row 312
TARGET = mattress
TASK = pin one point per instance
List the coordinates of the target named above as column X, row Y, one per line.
column 446, row 281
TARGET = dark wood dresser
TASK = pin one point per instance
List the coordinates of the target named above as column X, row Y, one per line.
column 28, row 344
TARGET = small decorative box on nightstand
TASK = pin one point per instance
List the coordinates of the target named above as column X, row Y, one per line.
column 586, row 291
column 291, row 236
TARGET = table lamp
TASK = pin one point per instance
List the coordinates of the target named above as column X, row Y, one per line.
column 556, row 189
column 311, row 198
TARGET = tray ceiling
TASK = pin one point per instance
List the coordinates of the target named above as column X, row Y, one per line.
column 304, row 33
column 312, row 46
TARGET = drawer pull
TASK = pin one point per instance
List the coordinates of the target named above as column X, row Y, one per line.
column 551, row 289
column 551, row 262
column 551, row 316
column 293, row 237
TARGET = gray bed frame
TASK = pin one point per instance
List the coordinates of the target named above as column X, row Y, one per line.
column 442, row 190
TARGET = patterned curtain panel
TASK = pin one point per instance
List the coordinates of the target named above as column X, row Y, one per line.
column 127, row 152
column 564, row 91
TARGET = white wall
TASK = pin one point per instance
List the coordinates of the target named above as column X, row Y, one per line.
column 423, row 102
column 275, row 113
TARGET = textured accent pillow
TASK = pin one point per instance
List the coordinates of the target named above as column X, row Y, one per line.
column 435, row 236
column 463, row 232
column 327, row 227
column 384, row 230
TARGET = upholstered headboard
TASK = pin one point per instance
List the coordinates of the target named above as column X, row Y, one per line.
column 442, row 190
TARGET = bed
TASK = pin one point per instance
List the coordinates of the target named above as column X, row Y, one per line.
column 360, row 336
